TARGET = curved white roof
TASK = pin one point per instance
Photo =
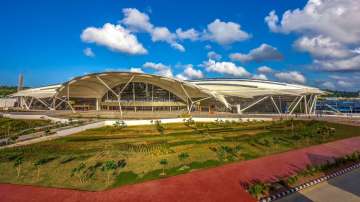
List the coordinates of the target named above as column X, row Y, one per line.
column 41, row 92
column 97, row 84
column 249, row 88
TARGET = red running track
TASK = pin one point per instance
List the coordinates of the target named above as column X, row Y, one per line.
column 216, row 184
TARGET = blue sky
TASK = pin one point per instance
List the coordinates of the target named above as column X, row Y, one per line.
column 53, row 41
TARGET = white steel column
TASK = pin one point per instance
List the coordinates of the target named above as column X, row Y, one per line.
column 133, row 91
column 68, row 98
column 112, row 91
column 305, row 105
column 98, row 102
column 313, row 105
column 188, row 98
column 152, row 97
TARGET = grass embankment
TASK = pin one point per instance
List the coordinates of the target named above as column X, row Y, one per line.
column 9, row 127
column 113, row 156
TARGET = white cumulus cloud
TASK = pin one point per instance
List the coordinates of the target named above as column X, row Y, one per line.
column 190, row 73
column 338, row 19
column 136, row 20
column 329, row 30
column 291, row 77
column 161, row 69
column 136, row 69
column 260, row 77
column 348, row 64
column 114, row 37
column 163, row 34
column 88, row 52
column 140, row 22
column 225, row 33
column 322, row 47
column 227, row 68
column 264, row 69
column 264, row 52
column 190, row 34
column 213, row 55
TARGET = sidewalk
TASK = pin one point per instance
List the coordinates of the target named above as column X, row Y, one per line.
column 217, row 184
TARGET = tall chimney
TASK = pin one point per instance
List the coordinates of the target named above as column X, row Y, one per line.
column 20, row 82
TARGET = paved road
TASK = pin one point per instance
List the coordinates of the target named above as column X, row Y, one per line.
column 339, row 189
column 58, row 134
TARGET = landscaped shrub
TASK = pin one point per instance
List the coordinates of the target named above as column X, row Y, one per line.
column 292, row 180
column 120, row 124
column 226, row 153
column 159, row 127
column 77, row 172
column 258, row 189
column 67, row 159
column 108, row 167
column 154, row 148
column 89, row 172
column 190, row 123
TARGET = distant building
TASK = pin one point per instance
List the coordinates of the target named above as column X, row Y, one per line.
column 6, row 103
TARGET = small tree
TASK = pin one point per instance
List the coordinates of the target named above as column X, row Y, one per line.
column 17, row 164
column 163, row 162
column 77, row 171
column 190, row 123
column 47, row 131
column 37, row 164
column 109, row 166
column 159, row 127
column 183, row 156
column 41, row 162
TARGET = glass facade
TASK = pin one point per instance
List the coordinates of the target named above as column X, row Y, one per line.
column 145, row 92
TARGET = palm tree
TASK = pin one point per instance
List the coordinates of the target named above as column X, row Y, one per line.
column 163, row 162
column 17, row 165
column 109, row 166
column 183, row 156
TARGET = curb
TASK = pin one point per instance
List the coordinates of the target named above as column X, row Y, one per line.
column 309, row 184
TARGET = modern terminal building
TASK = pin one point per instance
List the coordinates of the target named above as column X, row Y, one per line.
column 138, row 92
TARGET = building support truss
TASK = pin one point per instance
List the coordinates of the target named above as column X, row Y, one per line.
column 254, row 103
column 275, row 105
column 297, row 103
column 118, row 95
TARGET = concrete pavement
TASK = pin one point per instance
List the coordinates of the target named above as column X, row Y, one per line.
column 339, row 189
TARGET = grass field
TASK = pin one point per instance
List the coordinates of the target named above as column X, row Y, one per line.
column 108, row 157
column 13, row 126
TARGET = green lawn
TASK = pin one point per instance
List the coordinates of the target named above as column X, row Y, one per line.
column 108, row 157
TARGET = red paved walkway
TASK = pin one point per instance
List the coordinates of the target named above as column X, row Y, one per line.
column 216, row 184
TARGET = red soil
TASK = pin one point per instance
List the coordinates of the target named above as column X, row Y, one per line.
column 216, row 184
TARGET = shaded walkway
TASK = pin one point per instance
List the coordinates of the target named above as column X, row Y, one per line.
column 217, row 184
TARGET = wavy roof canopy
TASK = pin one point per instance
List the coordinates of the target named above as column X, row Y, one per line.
column 41, row 92
column 97, row 84
column 247, row 88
